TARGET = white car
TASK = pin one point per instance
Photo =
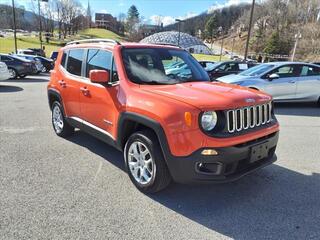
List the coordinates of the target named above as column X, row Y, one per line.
column 4, row 72
column 285, row 81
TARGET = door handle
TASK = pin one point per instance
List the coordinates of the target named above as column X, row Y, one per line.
column 62, row 83
column 292, row 81
column 85, row 91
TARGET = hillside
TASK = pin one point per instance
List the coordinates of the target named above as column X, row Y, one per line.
column 7, row 44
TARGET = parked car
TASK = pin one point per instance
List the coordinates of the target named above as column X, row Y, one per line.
column 220, row 69
column 4, row 72
column 18, row 67
column 25, row 52
column 38, row 51
column 35, row 60
column 47, row 63
column 186, row 129
column 285, row 81
column 54, row 55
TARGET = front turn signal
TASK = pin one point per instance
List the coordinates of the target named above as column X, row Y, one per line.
column 188, row 118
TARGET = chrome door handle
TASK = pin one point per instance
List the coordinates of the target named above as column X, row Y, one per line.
column 85, row 91
column 62, row 83
column 292, row 81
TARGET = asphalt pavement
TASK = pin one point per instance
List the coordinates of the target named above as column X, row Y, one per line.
column 76, row 188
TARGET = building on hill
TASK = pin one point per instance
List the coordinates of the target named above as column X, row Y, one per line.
column 187, row 42
column 107, row 21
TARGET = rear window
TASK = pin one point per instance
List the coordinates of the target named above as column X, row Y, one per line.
column 74, row 62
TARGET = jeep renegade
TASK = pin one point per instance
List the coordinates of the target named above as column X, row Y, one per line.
column 157, row 105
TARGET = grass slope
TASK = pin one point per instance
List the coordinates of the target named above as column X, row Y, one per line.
column 23, row 42
column 7, row 44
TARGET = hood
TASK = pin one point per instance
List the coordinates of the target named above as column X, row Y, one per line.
column 233, row 78
column 209, row 95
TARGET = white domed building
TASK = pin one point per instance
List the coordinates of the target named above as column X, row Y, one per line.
column 187, row 42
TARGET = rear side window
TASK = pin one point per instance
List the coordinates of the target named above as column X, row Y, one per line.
column 310, row 71
column 74, row 63
column 63, row 59
column 6, row 59
column 98, row 60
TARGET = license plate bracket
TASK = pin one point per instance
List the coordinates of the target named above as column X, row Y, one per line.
column 259, row 152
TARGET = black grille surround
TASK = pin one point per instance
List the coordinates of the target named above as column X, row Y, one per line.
column 240, row 121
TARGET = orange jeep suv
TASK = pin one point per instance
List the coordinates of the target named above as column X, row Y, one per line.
column 157, row 105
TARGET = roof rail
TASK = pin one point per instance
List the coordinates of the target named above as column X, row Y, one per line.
column 94, row 40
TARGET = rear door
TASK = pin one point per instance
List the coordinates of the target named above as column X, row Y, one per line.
column 284, row 87
column 308, row 84
column 69, row 78
column 99, row 101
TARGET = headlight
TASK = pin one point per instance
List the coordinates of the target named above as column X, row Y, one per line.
column 209, row 120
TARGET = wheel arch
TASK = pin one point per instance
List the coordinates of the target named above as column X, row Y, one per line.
column 131, row 122
column 54, row 95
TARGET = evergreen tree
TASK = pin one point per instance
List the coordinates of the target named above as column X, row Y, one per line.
column 211, row 26
column 133, row 13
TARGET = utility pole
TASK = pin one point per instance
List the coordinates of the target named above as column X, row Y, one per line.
column 297, row 37
column 220, row 31
column 233, row 38
column 40, row 25
column 179, row 22
column 14, row 26
column 249, row 30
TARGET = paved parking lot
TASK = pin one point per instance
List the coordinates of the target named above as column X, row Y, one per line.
column 53, row 188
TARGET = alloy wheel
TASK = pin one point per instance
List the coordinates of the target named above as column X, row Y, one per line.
column 57, row 119
column 12, row 73
column 140, row 163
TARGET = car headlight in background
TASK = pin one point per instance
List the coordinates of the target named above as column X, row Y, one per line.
column 209, row 120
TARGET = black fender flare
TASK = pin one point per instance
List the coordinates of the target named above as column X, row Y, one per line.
column 53, row 92
column 146, row 121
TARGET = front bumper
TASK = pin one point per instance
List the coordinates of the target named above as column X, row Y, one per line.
column 230, row 164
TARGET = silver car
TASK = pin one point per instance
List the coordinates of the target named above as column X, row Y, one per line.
column 285, row 81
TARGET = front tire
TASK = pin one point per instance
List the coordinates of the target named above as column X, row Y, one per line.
column 13, row 73
column 145, row 163
column 60, row 126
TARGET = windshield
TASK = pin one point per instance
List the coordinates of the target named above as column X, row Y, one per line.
column 162, row 66
column 257, row 70
column 212, row 66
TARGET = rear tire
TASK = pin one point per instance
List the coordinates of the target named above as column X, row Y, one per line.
column 60, row 126
column 145, row 163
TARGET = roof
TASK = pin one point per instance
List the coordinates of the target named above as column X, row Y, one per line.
column 171, row 37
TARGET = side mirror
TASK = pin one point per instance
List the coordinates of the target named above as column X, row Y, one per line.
column 99, row 76
column 273, row 76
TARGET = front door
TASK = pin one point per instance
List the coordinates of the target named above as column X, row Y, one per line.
column 98, row 101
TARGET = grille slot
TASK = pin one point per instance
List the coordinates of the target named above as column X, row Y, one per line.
column 249, row 117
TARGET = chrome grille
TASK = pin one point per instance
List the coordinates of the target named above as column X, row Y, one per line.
column 249, row 117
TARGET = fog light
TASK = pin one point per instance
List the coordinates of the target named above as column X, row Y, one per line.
column 207, row 152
